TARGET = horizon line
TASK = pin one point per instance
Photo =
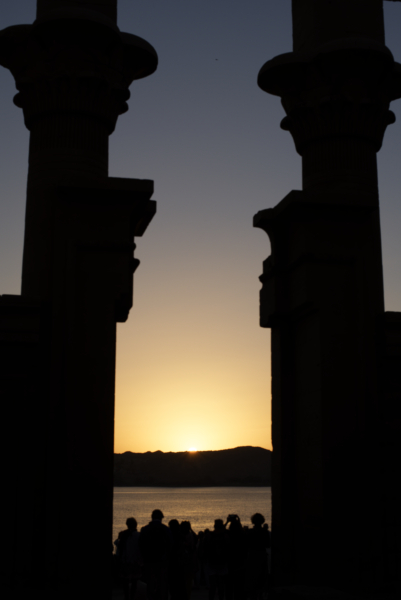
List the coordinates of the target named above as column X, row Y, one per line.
column 190, row 451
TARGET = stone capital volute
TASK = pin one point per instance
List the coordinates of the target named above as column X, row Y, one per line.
column 343, row 89
column 74, row 61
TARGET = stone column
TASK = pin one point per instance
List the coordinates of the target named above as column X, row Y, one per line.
column 322, row 296
column 72, row 68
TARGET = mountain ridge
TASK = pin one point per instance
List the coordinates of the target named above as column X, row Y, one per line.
column 240, row 466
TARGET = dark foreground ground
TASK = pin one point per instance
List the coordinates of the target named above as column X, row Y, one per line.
column 141, row 593
column 294, row 593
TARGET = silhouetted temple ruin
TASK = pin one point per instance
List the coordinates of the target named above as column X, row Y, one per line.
column 336, row 353
column 72, row 69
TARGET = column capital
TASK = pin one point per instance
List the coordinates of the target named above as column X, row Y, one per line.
column 74, row 61
column 340, row 90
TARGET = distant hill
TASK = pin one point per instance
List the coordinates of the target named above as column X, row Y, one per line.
column 245, row 465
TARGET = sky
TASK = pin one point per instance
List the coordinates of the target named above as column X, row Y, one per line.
column 193, row 365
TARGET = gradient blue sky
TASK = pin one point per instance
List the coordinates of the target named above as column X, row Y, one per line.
column 193, row 366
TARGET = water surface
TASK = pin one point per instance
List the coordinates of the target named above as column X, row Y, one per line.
column 201, row 506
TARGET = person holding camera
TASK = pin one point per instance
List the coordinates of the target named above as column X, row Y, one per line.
column 237, row 553
column 258, row 541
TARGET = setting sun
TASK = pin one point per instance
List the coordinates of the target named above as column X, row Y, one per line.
column 192, row 450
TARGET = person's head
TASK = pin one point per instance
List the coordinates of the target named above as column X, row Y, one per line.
column 218, row 524
column 131, row 523
column 185, row 527
column 174, row 525
column 257, row 520
column 157, row 515
column 235, row 522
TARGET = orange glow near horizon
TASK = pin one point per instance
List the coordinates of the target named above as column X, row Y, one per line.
column 193, row 365
column 185, row 382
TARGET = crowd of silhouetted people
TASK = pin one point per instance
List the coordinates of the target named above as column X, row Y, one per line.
column 231, row 561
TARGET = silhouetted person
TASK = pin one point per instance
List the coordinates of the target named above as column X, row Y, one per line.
column 189, row 564
column 202, row 543
column 129, row 558
column 237, row 559
column 258, row 539
column 216, row 551
column 266, row 527
column 155, row 543
column 176, row 578
column 115, row 567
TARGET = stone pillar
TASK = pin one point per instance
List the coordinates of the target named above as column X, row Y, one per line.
column 322, row 296
column 108, row 8
column 73, row 68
